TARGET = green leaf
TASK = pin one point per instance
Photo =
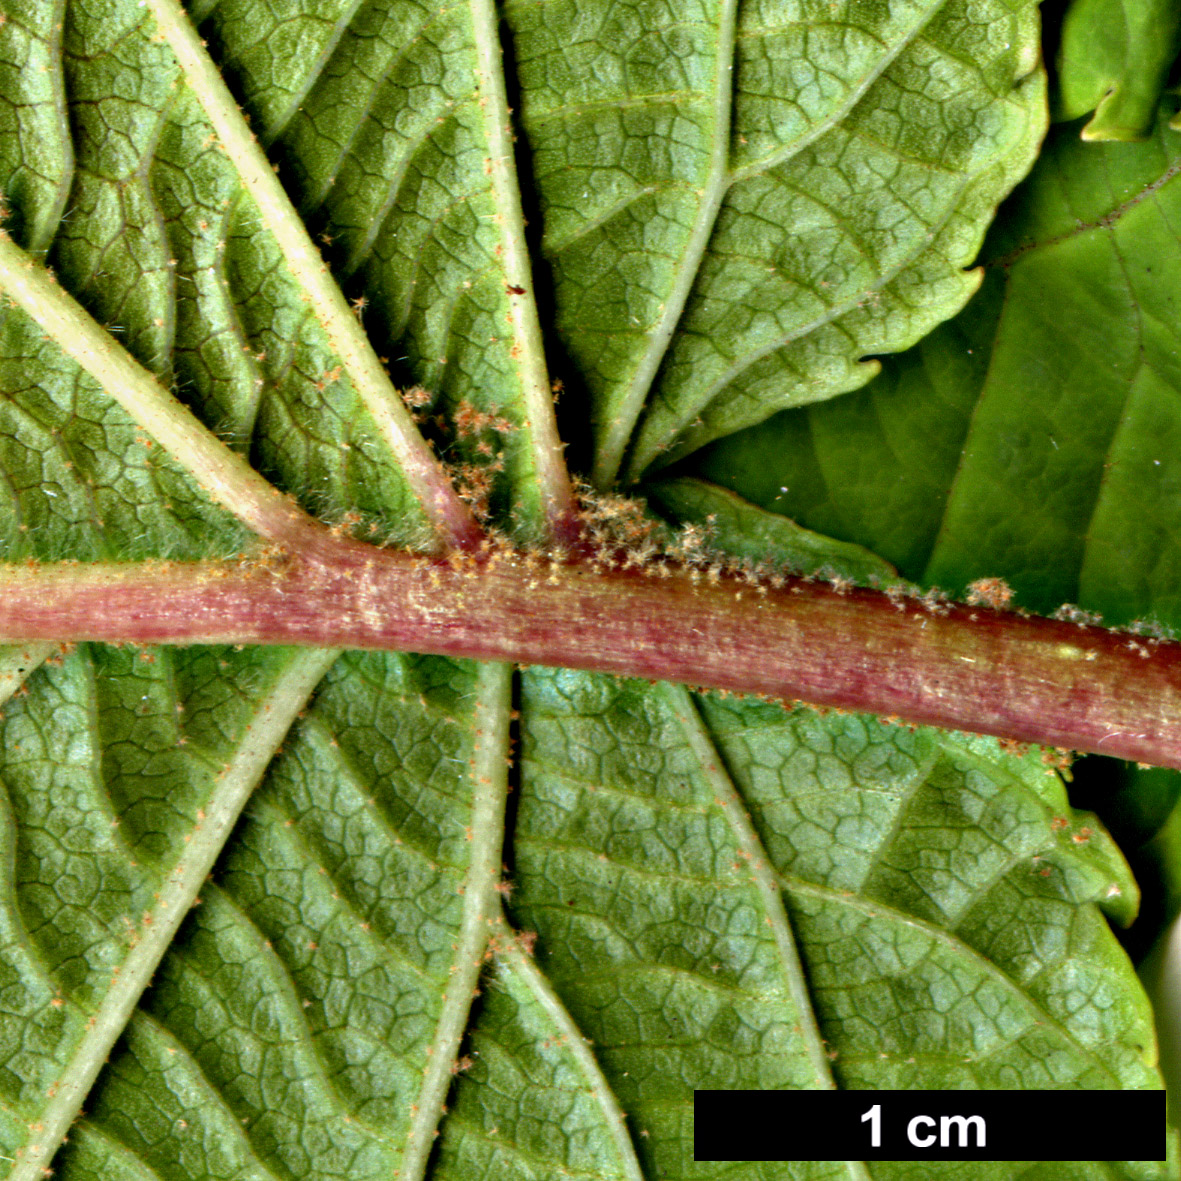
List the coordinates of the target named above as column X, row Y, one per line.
column 124, row 773
column 818, row 188
column 1114, row 59
column 274, row 914
column 315, row 1002
column 883, row 867
column 739, row 529
column 1046, row 408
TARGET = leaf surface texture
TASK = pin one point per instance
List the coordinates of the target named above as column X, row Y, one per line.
column 475, row 921
column 1047, row 406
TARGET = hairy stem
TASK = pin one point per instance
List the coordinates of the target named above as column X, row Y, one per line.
column 993, row 672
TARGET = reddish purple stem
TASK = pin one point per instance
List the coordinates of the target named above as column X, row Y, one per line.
column 970, row 668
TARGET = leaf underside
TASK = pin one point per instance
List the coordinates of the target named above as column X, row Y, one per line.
column 1049, row 406
column 734, row 206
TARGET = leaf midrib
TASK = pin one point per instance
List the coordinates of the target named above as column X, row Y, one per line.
column 435, row 493
column 719, row 181
column 831, row 314
column 871, row 908
column 609, row 454
column 515, row 960
column 481, row 910
column 271, row 720
column 706, row 236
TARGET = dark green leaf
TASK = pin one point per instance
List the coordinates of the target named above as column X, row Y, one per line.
column 735, row 206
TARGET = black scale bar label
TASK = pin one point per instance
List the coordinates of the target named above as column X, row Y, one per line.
column 929, row 1125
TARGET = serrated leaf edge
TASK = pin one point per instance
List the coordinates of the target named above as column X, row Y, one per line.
column 872, row 908
column 721, row 179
